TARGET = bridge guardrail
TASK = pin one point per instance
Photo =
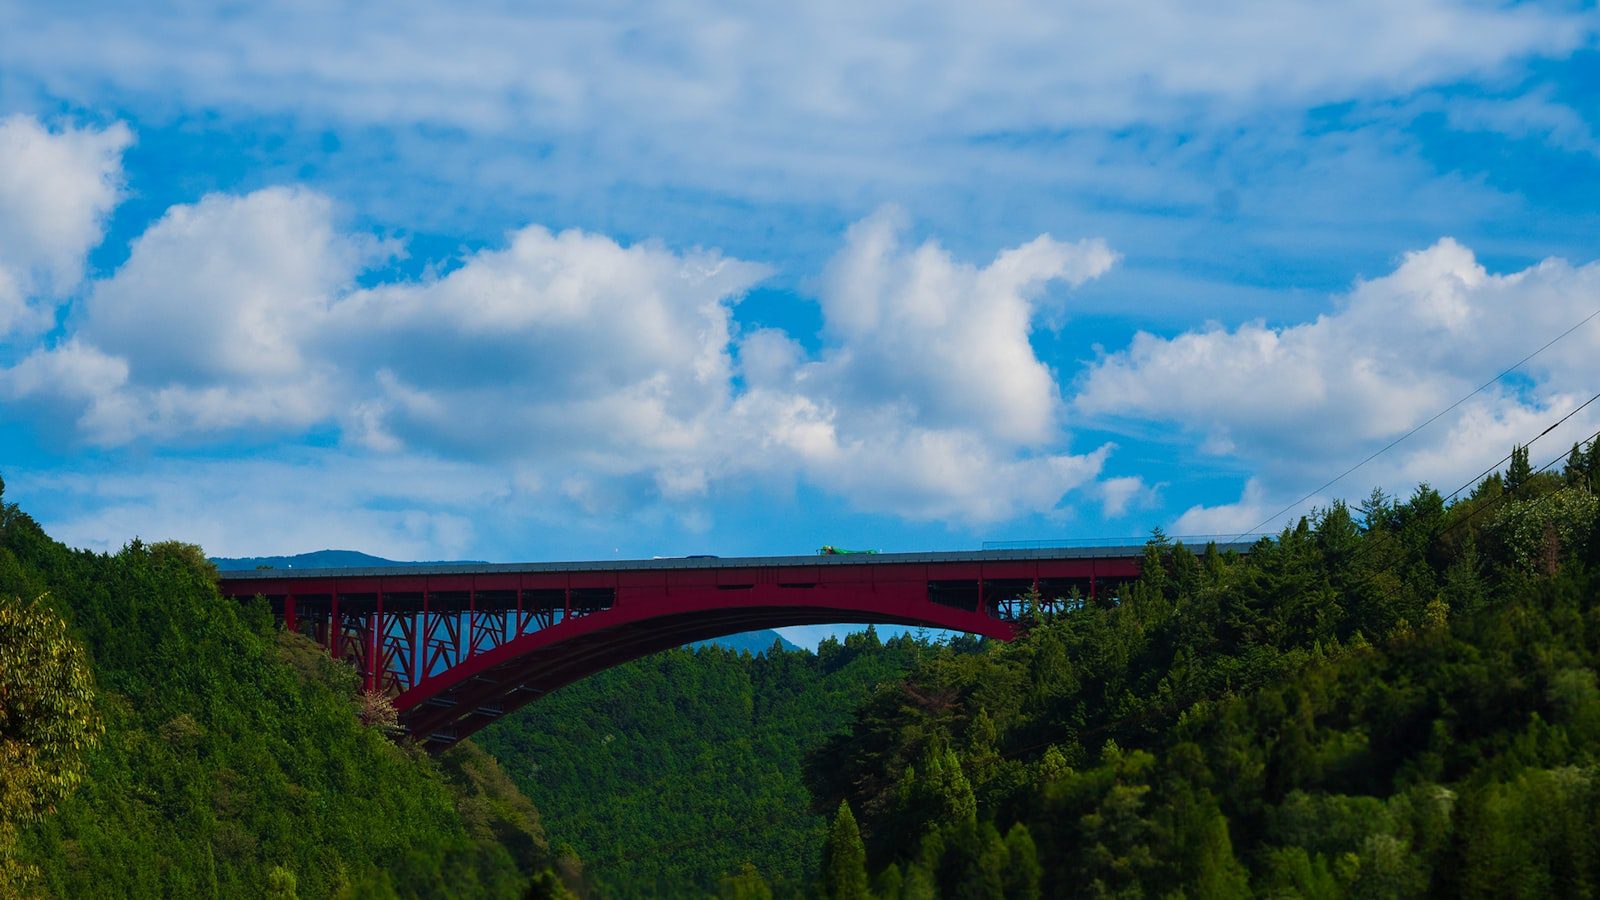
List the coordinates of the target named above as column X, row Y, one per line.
column 1189, row 540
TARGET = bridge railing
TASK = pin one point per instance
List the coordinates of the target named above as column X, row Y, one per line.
column 1189, row 540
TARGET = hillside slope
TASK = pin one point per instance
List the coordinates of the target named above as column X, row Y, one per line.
column 1400, row 705
column 232, row 760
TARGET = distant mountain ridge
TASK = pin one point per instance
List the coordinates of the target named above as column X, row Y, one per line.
column 756, row 642
column 318, row 559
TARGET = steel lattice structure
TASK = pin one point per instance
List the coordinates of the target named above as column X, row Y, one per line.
column 457, row 646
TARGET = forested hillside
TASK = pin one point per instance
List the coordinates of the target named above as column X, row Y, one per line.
column 1400, row 701
column 1396, row 700
column 222, row 757
column 673, row 772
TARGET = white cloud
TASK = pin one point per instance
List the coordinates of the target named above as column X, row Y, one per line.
column 56, row 189
column 603, row 374
column 1227, row 519
column 563, row 346
column 225, row 289
column 1299, row 404
column 208, row 327
column 1537, row 114
column 928, row 398
column 1120, row 495
column 763, row 100
column 947, row 340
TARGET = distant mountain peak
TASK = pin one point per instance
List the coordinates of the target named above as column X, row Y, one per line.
column 757, row 642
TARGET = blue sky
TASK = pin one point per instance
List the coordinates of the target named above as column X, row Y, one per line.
column 592, row 281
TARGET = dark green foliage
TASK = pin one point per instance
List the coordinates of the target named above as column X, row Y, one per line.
column 1021, row 878
column 232, row 764
column 670, row 773
column 1400, row 704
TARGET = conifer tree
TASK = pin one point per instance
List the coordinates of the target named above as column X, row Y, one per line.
column 844, row 859
column 1022, row 872
column 887, row 885
column 1574, row 472
column 1520, row 470
column 918, row 884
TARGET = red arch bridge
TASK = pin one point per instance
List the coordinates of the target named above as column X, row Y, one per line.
column 457, row 646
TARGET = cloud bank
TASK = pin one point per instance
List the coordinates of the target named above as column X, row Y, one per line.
column 1298, row 404
column 749, row 71
column 570, row 373
column 597, row 375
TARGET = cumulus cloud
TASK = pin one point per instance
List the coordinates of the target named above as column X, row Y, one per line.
column 1300, row 403
column 947, row 340
column 559, row 345
column 56, row 189
column 603, row 375
column 928, row 397
column 209, row 328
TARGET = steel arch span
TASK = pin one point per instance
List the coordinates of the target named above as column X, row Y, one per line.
column 458, row 646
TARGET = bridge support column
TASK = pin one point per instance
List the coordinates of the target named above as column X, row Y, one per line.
column 335, row 625
column 288, row 613
column 419, row 644
column 375, row 643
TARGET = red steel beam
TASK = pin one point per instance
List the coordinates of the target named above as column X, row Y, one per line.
column 653, row 607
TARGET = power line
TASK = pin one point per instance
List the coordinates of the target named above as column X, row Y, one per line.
column 1436, row 416
column 1485, row 473
column 1505, row 495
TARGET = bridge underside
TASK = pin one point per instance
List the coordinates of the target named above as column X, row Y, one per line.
column 529, row 673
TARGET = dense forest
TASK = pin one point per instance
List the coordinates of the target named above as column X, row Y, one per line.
column 674, row 772
column 1396, row 699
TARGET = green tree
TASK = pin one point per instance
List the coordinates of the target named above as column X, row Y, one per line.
column 844, row 859
column 746, row 884
column 281, row 884
column 47, row 719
